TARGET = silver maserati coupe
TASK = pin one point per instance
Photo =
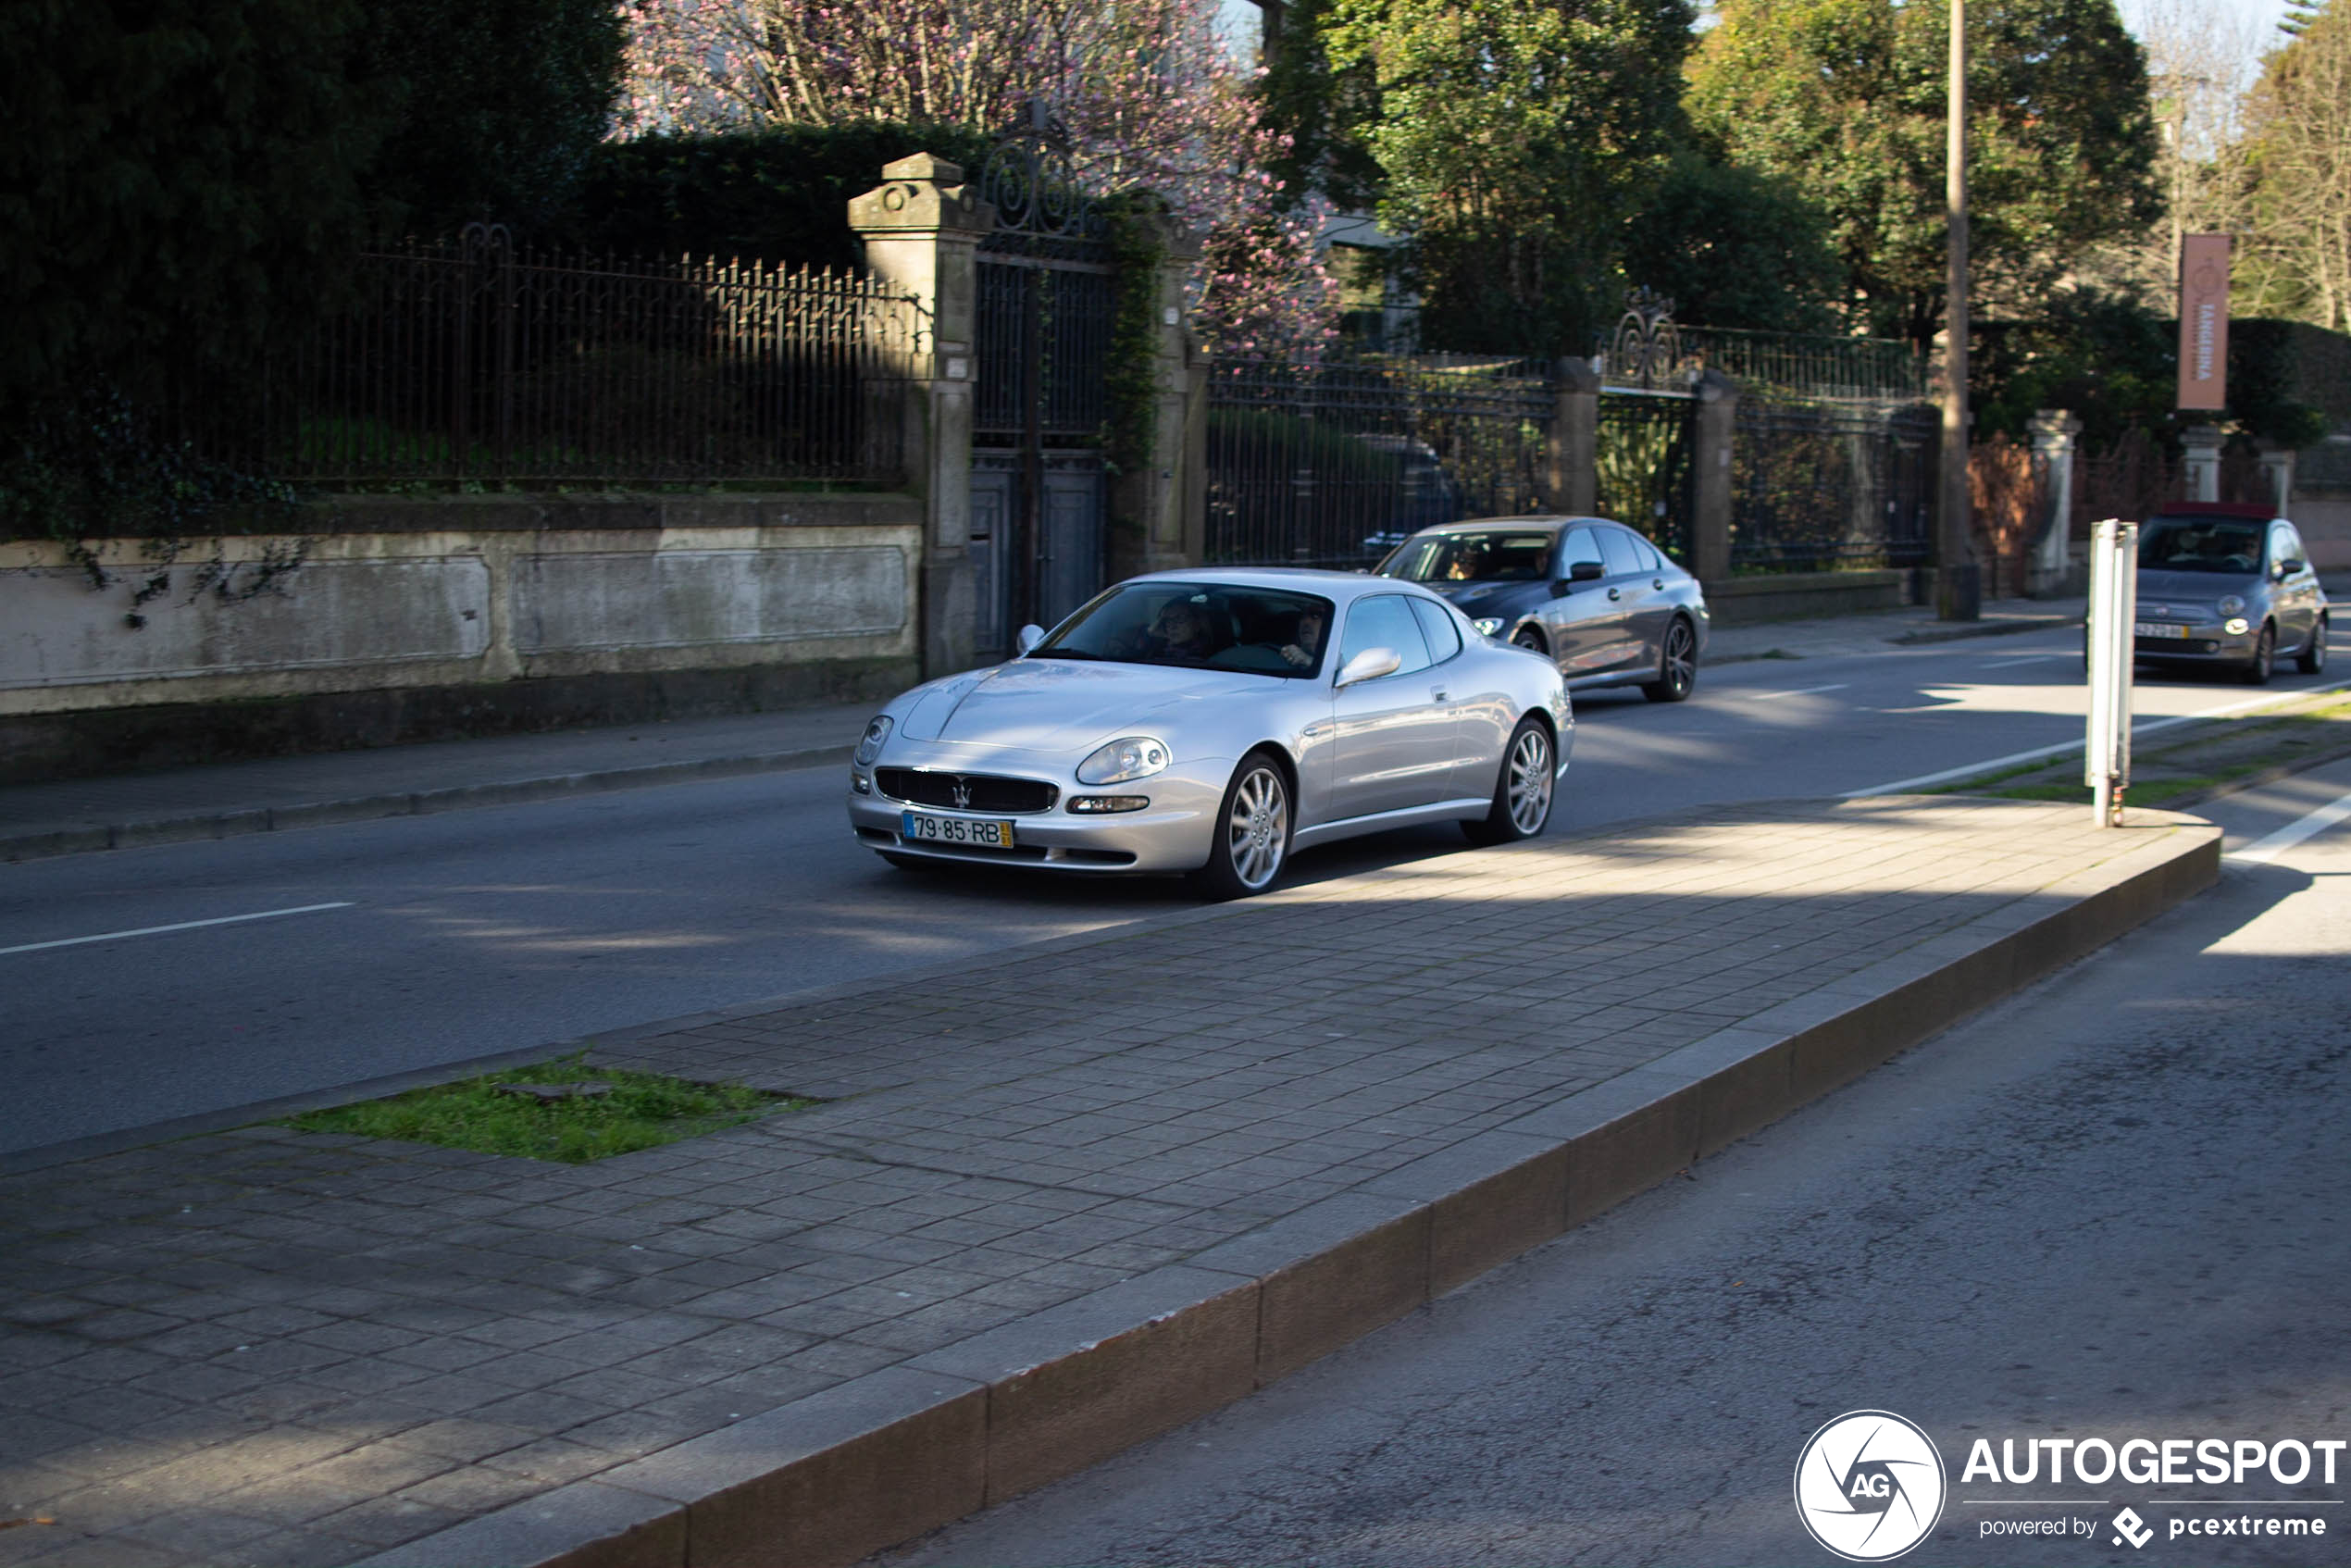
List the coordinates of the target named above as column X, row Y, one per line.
column 1212, row 721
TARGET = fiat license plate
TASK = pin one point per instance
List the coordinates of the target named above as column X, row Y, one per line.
column 2157, row 628
column 920, row 828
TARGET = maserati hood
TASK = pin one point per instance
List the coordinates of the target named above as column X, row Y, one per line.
column 1066, row 704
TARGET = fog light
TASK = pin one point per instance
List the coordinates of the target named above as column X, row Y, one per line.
column 2236, row 626
column 860, row 783
column 1096, row 805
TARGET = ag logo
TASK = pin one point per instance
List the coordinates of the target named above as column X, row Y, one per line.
column 1868, row 1486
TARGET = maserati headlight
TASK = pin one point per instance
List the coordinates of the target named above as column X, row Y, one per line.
column 2232, row 605
column 1488, row 626
column 1132, row 756
column 876, row 733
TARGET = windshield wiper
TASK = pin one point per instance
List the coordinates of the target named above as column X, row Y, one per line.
column 1062, row 654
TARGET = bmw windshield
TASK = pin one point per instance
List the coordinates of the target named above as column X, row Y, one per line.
column 1198, row 626
column 1501, row 555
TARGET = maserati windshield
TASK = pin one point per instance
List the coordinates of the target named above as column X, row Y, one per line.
column 1198, row 626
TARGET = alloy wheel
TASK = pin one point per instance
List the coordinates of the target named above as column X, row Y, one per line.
column 1257, row 831
column 1530, row 781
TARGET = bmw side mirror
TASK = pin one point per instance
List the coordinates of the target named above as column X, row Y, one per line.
column 1369, row 664
column 1582, row 571
column 1029, row 636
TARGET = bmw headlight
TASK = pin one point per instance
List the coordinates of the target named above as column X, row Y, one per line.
column 1131, row 756
column 1488, row 626
column 870, row 746
column 2232, row 605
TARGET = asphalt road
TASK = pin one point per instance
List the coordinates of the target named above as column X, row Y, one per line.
column 2110, row 1208
column 431, row 940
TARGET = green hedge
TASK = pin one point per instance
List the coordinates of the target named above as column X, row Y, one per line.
column 780, row 196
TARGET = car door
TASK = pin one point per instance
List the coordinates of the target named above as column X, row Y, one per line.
column 1393, row 737
column 1634, row 589
column 1584, row 625
column 1470, row 773
column 2294, row 592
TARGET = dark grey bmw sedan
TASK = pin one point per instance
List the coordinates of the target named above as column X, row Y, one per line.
column 1604, row 604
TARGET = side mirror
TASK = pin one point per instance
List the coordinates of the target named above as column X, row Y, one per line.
column 1582, row 571
column 1029, row 636
column 1369, row 664
column 2291, row 564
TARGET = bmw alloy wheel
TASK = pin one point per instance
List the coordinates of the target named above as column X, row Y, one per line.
column 1677, row 671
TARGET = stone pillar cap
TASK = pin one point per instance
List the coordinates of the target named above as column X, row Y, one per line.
column 924, row 165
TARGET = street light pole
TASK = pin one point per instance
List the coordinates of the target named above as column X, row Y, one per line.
column 1959, row 582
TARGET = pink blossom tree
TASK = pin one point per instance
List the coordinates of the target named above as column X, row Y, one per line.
column 1151, row 93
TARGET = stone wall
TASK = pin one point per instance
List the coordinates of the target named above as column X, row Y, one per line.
column 411, row 619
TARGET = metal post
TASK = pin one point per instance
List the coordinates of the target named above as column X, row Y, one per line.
column 1958, row 579
column 2114, row 603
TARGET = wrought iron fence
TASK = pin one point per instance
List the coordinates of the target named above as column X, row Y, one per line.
column 1334, row 464
column 1844, row 369
column 476, row 360
column 1643, row 460
column 1821, row 486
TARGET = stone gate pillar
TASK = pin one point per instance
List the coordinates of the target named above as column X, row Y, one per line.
column 2277, row 474
column 1572, row 454
column 920, row 228
column 2200, row 462
column 1159, row 508
column 2049, row 570
column 1716, row 423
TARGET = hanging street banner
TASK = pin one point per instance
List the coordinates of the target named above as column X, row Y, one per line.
column 2204, row 321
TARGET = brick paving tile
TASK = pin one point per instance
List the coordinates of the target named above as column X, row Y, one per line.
column 280, row 1347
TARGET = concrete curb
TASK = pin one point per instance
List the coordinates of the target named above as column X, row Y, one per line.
column 890, row 1455
column 419, row 803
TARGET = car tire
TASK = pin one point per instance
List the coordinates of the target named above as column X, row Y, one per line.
column 2264, row 661
column 1677, row 667
column 1523, row 791
column 1527, row 637
column 2312, row 660
column 1251, row 842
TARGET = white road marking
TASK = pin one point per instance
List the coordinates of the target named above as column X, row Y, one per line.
column 1799, row 691
column 2148, row 726
column 182, row 926
column 2263, row 850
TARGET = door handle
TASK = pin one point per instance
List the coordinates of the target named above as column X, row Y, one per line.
column 1657, row 583
column 1612, row 593
column 1436, row 693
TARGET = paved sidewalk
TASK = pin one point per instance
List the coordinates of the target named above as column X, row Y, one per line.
column 267, row 1347
column 226, row 800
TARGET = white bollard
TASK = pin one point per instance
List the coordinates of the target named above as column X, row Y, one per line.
column 2112, row 634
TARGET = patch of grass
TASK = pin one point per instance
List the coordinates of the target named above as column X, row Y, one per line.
column 640, row 1111
column 2211, row 759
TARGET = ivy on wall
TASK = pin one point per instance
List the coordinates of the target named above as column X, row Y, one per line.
column 1131, row 379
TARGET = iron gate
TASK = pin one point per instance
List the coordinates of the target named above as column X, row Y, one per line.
column 1046, row 298
column 1643, row 462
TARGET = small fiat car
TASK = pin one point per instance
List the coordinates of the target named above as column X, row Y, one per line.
column 2229, row 586
column 1597, row 599
column 1209, row 722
